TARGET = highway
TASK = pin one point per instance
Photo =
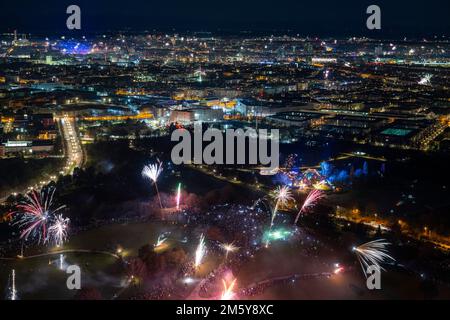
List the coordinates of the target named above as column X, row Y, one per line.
column 73, row 151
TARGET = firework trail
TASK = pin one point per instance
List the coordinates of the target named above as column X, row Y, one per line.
column 228, row 293
column 310, row 201
column 373, row 253
column 178, row 196
column 282, row 195
column 61, row 261
column 200, row 251
column 57, row 231
column 36, row 214
column 12, row 294
column 152, row 171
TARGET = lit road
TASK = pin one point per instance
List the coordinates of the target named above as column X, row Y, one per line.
column 73, row 151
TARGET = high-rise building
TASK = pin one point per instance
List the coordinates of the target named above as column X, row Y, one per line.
column 378, row 50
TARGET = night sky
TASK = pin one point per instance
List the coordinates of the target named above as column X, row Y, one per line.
column 319, row 17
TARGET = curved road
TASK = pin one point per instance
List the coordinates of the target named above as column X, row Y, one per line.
column 60, row 252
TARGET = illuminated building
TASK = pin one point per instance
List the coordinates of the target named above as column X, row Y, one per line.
column 25, row 147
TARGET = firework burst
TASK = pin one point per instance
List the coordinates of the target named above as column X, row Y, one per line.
column 152, row 171
column 373, row 253
column 282, row 195
column 58, row 230
column 310, row 202
column 36, row 214
column 228, row 247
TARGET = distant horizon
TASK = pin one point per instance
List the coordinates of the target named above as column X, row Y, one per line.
column 224, row 33
column 324, row 18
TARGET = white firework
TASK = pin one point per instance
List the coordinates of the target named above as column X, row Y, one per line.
column 228, row 247
column 12, row 294
column 426, row 80
column 282, row 195
column 58, row 230
column 200, row 251
column 373, row 253
column 152, row 171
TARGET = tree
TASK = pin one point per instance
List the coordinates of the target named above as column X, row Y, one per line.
column 166, row 261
